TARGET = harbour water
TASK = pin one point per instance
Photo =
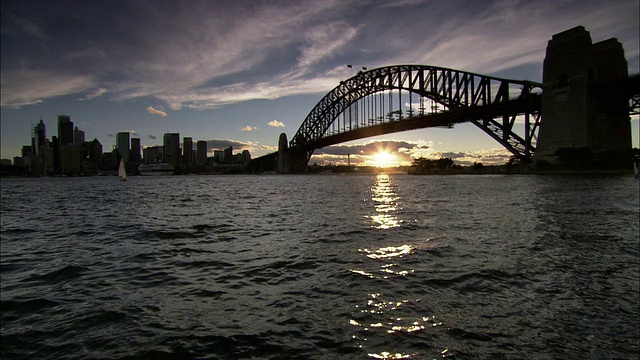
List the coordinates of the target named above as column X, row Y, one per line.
column 320, row 267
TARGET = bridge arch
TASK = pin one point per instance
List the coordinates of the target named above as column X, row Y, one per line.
column 491, row 103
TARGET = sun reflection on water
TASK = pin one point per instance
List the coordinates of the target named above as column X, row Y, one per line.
column 389, row 313
column 386, row 203
column 381, row 315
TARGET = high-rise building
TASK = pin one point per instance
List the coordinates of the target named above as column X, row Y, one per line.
column 134, row 152
column 40, row 135
column 201, row 152
column 55, row 143
column 78, row 136
column 172, row 153
column 95, row 151
column 246, row 156
column 187, row 151
column 122, row 145
column 228, row 154
column 153, row 154
column 68, row 154
column 65, row 130
column 218, row 156
column 39, row 145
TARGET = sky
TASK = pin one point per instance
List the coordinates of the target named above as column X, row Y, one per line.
column 238, row 73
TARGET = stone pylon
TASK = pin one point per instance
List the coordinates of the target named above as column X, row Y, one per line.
column 579, row 106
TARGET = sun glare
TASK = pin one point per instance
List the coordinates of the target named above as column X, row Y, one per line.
column 384, row 159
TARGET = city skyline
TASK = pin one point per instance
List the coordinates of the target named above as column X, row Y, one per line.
column 243, row 78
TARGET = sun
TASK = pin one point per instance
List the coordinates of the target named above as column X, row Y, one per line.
column 383, row 160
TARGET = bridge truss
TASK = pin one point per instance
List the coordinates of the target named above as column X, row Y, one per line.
column 406, row 97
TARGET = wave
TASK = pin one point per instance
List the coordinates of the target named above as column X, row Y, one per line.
column 26, row 306
column 67, row 273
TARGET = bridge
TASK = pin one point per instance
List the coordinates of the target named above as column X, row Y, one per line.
column 406, row 97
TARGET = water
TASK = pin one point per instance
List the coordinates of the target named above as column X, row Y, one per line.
column 321, row 267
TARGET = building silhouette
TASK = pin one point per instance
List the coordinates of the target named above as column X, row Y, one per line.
column 122, row 145
column 134, row 152
column 69, row 153
column 172, row 152
column 95, row 151
column 187, row 152
column 201, row 152
column 41, row 160
column 228, row 155
column 65, row 130
column 78, row 136
column 153, row 154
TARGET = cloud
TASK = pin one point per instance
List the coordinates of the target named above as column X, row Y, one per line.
column 221, row 144
column 248, row 128
column 276, row 123
column 153, row 111
column 325, row 41
column 28, row 87
column 133, row 132
column 279, row 49
column 268, row 148
column 97, row 93
column 152, row 137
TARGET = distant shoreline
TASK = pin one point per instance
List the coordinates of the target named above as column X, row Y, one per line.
column 530, row 172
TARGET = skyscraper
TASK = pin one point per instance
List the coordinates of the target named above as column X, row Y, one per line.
column 171, row 143
column 39, row 147
column 65, row 130
column 78, row 136
column 40, row 135
column 134, row 152
column 68, row 154
column 201, row 152
column 95, row 151
column 187, row 151
column 122, row 144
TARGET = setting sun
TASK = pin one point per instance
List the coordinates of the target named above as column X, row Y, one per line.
column 384, row 159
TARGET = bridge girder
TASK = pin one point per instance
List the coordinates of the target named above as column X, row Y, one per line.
column 491, row 103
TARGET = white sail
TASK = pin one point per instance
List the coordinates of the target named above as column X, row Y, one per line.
column 121, row 172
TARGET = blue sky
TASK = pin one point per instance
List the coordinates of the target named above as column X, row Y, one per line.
column 241, row 72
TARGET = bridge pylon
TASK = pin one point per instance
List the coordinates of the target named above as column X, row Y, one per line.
column 283, row 155
column 577, row 109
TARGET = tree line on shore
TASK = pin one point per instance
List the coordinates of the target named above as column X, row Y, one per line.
column 566, row 159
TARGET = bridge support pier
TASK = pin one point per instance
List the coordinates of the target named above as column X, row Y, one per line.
column 577, row 109
column 283, row 155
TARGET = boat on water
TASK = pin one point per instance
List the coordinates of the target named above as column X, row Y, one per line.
column 122, row 173
column 155, row 169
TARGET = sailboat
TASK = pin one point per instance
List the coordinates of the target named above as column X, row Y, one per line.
column 121, row 172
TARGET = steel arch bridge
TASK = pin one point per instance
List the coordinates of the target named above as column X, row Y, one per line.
column 381, row 101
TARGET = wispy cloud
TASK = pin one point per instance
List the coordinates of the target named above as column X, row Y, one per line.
column 248, row 128
column 154, row 111
column 96, row 93
column 221, row 144
column 325, row 41
column 277, row 49
column 27, row 87
column 276, row 123
column 152, row 137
